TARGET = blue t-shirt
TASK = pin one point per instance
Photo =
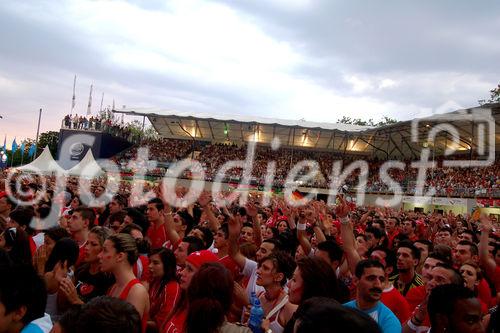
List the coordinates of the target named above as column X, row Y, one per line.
column 40, row 325
column 384, row 317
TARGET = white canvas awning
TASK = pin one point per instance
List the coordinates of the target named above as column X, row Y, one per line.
column 44, row 164
column 87, row 168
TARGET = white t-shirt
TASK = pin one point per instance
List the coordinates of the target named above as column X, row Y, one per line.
column 250, row 270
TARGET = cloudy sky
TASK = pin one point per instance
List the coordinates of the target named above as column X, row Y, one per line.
column 292, row 59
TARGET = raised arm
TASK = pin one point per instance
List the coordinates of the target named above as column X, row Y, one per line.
column 301, row 234
column 169, row 225
column 488, row 263
column 234, row 226
column 213, row 222
column 347, row 234
column 257, row 232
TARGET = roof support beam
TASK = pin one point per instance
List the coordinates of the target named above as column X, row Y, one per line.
column 393, row 149
column 211, row 130
column 341, row 142
column 317, row 140
column 332, row 137
column 166, row 124
column 197, row 129
column 415, row 156
column 346, row 141
column 375, row 147
column 396, row 146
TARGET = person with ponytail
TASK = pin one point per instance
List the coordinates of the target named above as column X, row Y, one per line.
column 209, row 298
column 140, row 267
column 164, row 291
column 117, row 257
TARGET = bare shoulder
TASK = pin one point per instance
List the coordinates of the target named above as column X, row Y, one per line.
column 287, row 312
column 139, row 291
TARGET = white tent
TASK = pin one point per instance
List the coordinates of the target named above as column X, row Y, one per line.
column 87, row 168
column 44, row 164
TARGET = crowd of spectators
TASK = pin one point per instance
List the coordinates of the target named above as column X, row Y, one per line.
column 100, row 124
column 124, row 265
column 456, row 182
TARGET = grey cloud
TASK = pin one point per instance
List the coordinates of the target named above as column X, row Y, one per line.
column 374, row 38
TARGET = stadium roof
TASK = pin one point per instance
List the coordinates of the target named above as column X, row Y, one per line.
column 392, row 141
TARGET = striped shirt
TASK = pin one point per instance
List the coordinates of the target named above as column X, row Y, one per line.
column 402, row 287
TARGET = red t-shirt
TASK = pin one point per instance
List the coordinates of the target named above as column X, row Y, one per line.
column 140, row 269
column 484, row 292
column 415, row 296
column 393, row 299
column 163, row 301
column 228, row 262
column 32, row 246
column 176, row 323
column 157, row 235
column 391, row 238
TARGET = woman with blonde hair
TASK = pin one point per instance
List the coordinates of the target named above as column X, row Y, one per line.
column 89, row 281
column 118, row 256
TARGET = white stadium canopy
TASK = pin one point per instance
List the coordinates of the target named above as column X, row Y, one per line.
column 391, row 141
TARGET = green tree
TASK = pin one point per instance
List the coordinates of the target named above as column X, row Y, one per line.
column 51, row 139
column 357, row 121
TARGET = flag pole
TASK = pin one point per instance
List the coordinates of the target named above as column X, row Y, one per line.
column 73, row 100
column 22, row 156
column 37, row 132
column 89, row 110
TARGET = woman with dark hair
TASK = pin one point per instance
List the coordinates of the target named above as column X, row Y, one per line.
column 89, row 281
column 176, row 321
column 270, row 232
column 164, row 290
column 313, row 277
column 117, row 257
column 282, row 226
column 209, row 296
column 16, row 242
